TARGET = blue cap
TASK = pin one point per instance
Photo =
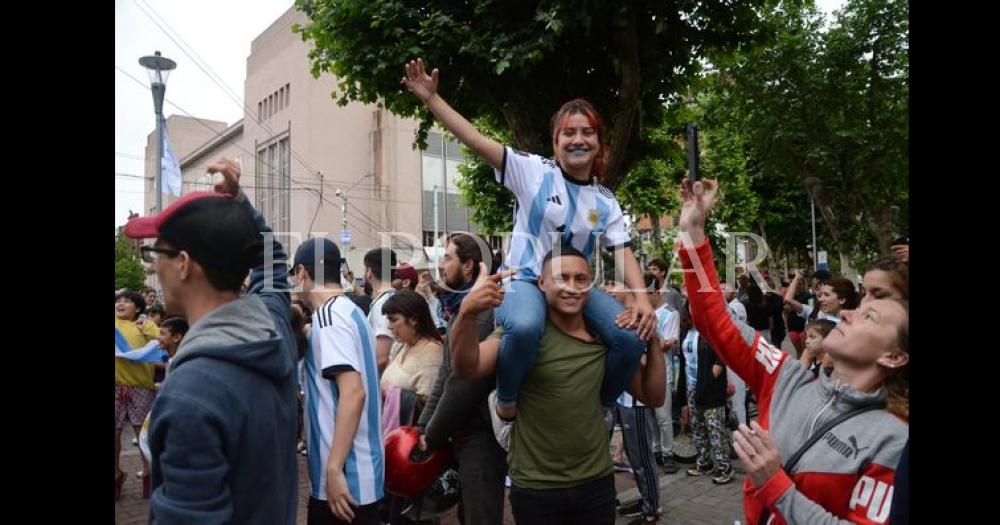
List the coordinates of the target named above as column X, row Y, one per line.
column 306, row 255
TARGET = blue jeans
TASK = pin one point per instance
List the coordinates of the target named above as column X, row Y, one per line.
column 522, row 316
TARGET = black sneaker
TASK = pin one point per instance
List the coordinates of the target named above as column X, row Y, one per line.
column 658, row 456
column 670, row 466
column 632, row 509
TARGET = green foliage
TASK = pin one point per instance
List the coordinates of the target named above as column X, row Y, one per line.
column 129, row 272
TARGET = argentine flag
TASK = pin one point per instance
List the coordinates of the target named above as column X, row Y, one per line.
column 151, row 353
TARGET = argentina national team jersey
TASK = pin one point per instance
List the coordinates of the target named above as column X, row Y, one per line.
column 550, row 202
column 341, row 339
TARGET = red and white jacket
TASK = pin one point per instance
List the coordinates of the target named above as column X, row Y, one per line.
column 847, row 476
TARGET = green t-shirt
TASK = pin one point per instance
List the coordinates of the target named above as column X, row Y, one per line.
column 560, row 439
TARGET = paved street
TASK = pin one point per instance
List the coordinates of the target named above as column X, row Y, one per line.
column 685, row 500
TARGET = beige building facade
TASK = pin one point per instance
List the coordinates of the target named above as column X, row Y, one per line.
column 316, row 168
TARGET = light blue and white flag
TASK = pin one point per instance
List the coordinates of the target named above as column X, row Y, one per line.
column 171, row 168
column 151, row 353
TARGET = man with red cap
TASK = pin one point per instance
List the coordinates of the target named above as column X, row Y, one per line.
column 222, row 430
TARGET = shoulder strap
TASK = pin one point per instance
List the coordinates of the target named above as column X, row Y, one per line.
column 794, row 459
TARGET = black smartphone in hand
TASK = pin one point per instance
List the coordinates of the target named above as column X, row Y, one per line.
column 693, row 153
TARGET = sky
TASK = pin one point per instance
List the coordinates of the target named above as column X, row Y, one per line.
column 218, row 32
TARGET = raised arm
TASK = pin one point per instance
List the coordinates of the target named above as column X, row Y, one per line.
column 790, row 293
column 425, row 86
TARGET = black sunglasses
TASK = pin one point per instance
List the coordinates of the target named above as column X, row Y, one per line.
column 149, row 252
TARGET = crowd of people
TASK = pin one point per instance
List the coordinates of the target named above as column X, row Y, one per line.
column 514, row 365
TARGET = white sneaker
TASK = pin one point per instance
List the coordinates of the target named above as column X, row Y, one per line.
column 501, row 428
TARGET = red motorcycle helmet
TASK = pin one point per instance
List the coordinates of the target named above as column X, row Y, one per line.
column 409, row 471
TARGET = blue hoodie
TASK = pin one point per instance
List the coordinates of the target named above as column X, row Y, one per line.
column 223, row 428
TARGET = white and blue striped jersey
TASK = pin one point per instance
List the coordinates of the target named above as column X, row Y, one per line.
column 550, row 202
column 340, row 340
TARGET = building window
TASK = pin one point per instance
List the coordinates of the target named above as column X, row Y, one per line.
column 433, row 145
column 260, row 110
column 288, row 94
column 454, row 152
column 439, row 174
column 273, row 183
column 429, row 238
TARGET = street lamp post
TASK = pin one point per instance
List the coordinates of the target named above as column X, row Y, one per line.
column 158, row 68
column 345, row 233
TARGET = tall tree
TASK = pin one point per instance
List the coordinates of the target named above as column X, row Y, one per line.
column 516, row 66
column 826, row 108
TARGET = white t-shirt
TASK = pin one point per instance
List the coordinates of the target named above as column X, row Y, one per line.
column 807, row 310
column 550, row 202
column 738, row 311
column 629, row 401
column 668, row 324
column 378, row 321
column 342, row 340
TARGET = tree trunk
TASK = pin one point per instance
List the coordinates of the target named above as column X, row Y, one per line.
column 626, row 119
column 846, row 269
column 880, row 224
column 525, row 137
column 655, row 218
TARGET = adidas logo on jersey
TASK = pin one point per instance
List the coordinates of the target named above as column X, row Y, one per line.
column 555, row 199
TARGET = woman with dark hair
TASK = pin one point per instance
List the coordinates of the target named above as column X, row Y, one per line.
column 888, row 278
column 416, row 363
column 835, row 295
